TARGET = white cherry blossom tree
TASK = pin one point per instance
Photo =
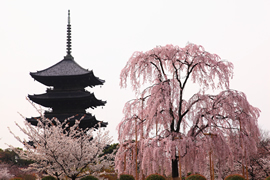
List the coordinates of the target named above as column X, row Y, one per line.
column 63, row 151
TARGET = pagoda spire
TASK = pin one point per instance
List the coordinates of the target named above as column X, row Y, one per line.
column 68, row 56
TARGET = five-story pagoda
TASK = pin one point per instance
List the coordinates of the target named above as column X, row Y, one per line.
column 68, row 97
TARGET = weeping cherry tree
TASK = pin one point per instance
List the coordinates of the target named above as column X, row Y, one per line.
column 162, row 132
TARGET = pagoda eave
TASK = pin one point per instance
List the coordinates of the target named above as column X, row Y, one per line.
column 83, row 101
column 81, row 81
column 86, row 120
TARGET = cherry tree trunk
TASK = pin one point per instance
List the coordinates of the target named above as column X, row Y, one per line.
column 175, row 168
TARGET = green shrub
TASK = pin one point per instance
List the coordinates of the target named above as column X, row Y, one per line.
column 196, row 177
column 235, row 177
column 155, row 177
column 49, row 178
column 126, row 177
column 89, row 178
column 268, row 178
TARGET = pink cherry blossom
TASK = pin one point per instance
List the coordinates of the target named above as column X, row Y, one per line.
column 166, row 125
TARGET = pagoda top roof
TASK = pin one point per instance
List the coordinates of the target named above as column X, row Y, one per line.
column 66, row 67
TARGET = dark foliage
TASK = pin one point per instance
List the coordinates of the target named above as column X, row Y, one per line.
column 155, row 177
column 110, row 148
column 89, row 178
column 49, row 178
column 8, row 156
column 235, row 177
column 126, row 177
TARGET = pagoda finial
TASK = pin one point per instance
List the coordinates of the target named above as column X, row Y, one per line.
column 68, row 56
column 68, row 17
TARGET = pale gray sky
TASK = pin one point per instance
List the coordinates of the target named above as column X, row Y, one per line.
column 106, row 33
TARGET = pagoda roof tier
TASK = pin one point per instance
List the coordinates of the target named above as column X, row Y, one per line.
column 67, row 100
column 67, row 73
column 87, row 121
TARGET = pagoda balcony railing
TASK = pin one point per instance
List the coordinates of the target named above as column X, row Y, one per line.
column 73, row 111
column 61, row 90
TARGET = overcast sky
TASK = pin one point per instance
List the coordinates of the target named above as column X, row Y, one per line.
column 106, row 33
